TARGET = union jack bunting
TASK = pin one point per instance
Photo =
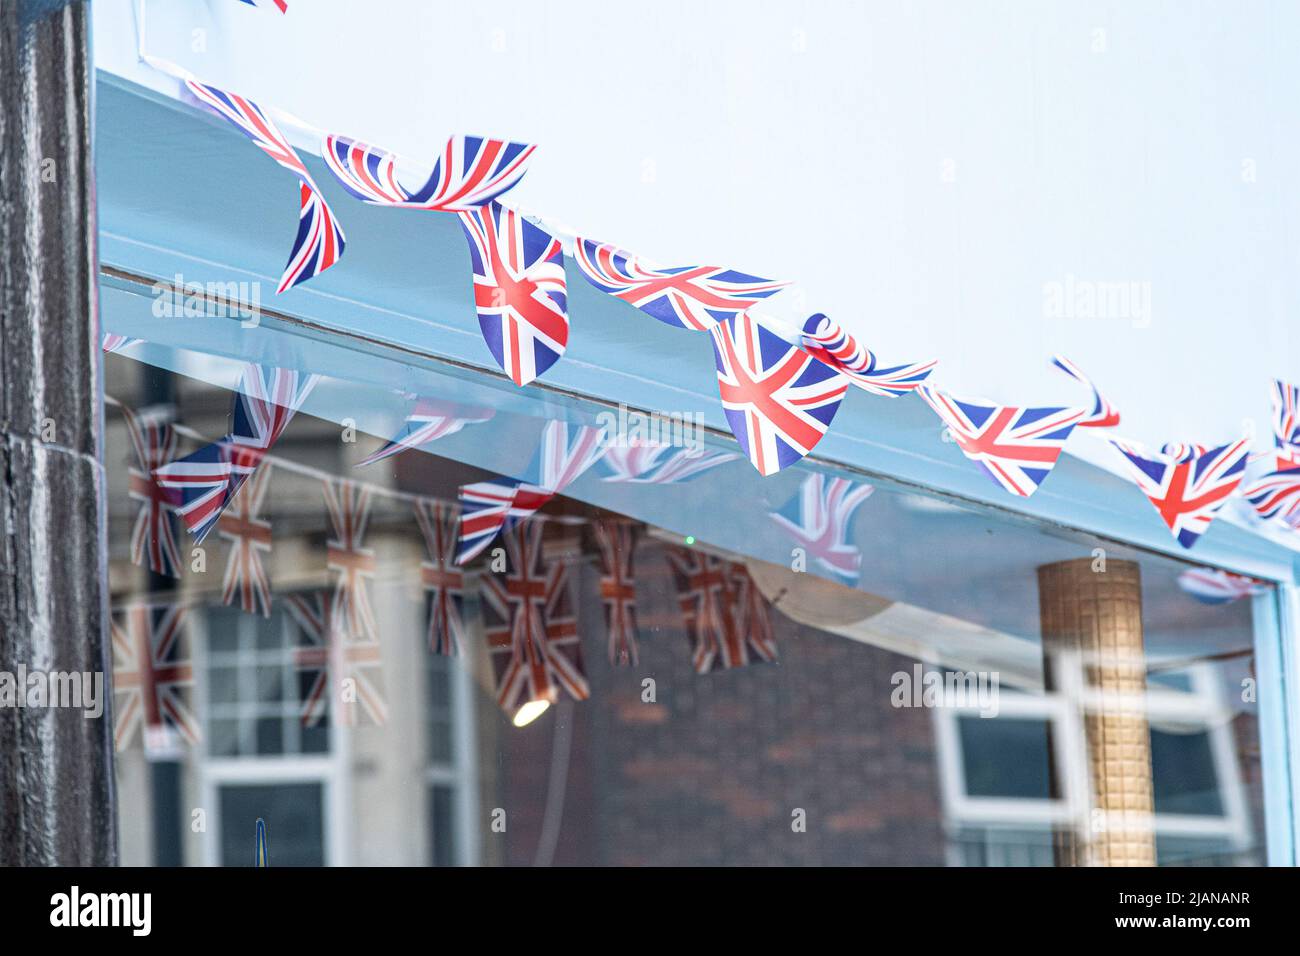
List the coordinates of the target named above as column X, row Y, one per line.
column 616, row 541
column 428, row 421
column 150, row 676
column 349, row 509
column 656, row 463
column 115, row 343
column 1214, row 586
column 726, row 617
column 250, row 537
column 1286, row 414
column 829, row 342
column 1017, row 447
column 532, row 631
column 319, row 242
column 778, row 399
column 283, row 7
column 519, row 290
column 471, row 172
column 688, row 297
column 343, row 669
column 154, row 442
column 1277, row 496
column 818, row 519
column 1103, row 414
column 443, row 582
column 488, row 507
column 1287, row 457
column 1187, row 492
column 1181, row 451
column 202, row 483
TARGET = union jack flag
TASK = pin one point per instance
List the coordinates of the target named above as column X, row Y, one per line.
column 471, row 172
column 249, row 536
column 443, row 582
column 1277, row 495
column 818, row 519
column 1287, row 457
column 1103, row 414
column 428, row 421
column 644, row 462
column 205, row 481
column 688, row 297
column 1017, row 447
column 829, row 342
column 283, row 7
column 343, row 670
column 319, row 242
column 1286, row 414
column 616, row 541
column 519, row 290
column 1182, row 451
column 1214, row 586
column 150, row 675
column 532, row 631
column 1187, row 492
column 349, row 509
column 726, row 617
column 487, row 507
column 115, row 343
column 154, row 441
column 778, row 399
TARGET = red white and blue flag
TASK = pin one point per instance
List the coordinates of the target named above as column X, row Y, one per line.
column 443, row 581
column 616, row 542
column 154, row 442
column 1017, row 447
column 657, row 463
column 726, row 617
column 1215, row 586
column 150, row 676
column 778, row 399
column 319, row 242
column 1102, row 414
column 531, row 627
column 829, row 342
column 249, row 535
column 281, row 5
column 345, row 669
column 688, row 297
column 1286, row 425
column 202, row 483
column 348, row 504
column 489, row 507
column 428, row 421
column 1187, row 490
column 1276, row 496
column 471, row 172
column 519, row 290
column 818, row 519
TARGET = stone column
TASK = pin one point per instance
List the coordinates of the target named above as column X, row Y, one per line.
column 56, row 765
column 1092, row 650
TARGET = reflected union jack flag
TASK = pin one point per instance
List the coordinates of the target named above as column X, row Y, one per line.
column 1215, row 586
column 1017, row 447
column 319, row 242
column 1188, row 491
column 428, row 421
column 443, row 581
column 818, row 518
column 778, row 399
column 202, row 483
column 616, row 542
column 656, row 463
column 726, row 617
column 342, row 670
column 532, row 630
column 154, row 442
column 688, row 297
column 150, row 675
column 349, row 509
column 830, row 343
column 471, row 172
column 250, row 537
column 519, row 290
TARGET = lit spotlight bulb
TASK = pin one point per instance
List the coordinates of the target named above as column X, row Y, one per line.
column 530, row 711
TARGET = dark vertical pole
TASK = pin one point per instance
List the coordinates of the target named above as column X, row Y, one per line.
column 56, row 766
